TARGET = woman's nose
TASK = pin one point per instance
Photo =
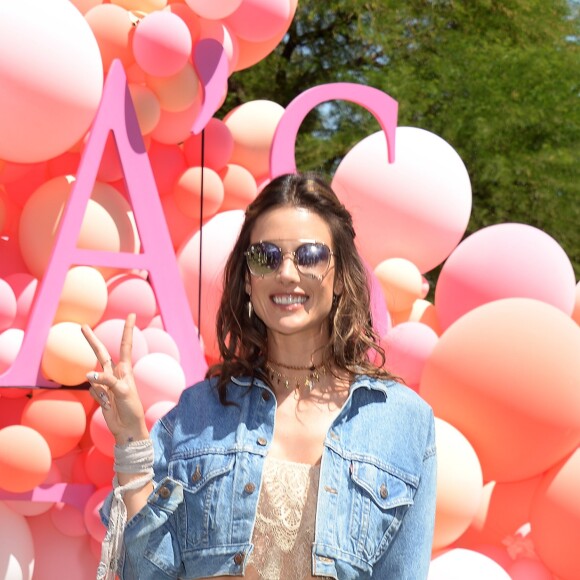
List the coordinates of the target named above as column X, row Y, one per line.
column 287, row 269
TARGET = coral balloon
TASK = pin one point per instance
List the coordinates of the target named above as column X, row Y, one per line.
column 162, row 43
column 158, row 340
column 504, row 261
column 240, row 187
column 67, row 356
column 59, row 417
column 51, row 82
column 156, row 411
column 423, row 311
column 401, row 283
column 16, row 546
column 194, row 184
column 416, row 208
column 7, row 305
column 24, row 287
column 176, row 92
column 217, row 145
column 181, row 227
column 159, row 377
column 214, row 10
column 174, row 128
column 113, row 29
column 91, row 513
column 24, row 458
column 459, row 564
column 219, row 236
column 147, row 107
column 68, row 520
column 98, row 467
column 130, row 293
column 11, row 260
column 102, row 438
column 529, row 569
column 107, row 224
column 555, row 518
column 252, row 126
column 168, row 163
column 110, row 333
column 487, row 376
column 459, row 484
column 260, row 20
column 407, row 347
column 83, row 298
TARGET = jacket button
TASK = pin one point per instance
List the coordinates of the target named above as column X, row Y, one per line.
column 266, row 395
column 384, row 492
column 263, row 442
column 164, row 492
column 238, row 558
column 196, row 474
column 249, row 487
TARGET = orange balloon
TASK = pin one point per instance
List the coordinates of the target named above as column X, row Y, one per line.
column 194, row 183
column 24, row 458
column 459, row 484
column 67, row 357
column 507, row 375
column 59, row 417
column 555, row 518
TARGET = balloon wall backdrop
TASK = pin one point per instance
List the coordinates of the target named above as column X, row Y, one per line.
column 121, row 191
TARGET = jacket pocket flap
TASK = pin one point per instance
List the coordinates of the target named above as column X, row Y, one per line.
column 196, row 471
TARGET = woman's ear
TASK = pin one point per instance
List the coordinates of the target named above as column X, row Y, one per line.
column 338, row 287
column 248, row 285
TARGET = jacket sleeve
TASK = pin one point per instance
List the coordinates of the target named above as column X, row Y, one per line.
column 150, row 548
column 409, row 554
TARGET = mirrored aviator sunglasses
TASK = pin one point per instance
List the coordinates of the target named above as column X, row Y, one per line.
column 311, row 258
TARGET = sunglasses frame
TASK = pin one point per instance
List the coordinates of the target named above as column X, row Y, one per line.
column 291, row 253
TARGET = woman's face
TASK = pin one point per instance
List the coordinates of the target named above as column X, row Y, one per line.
column 288, row 302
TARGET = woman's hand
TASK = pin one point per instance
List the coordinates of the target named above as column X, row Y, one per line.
column 115, row 390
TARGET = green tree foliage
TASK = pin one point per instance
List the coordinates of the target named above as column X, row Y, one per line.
column 498, row 80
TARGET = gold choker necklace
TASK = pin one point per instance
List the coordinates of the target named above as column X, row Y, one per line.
column 293, row 381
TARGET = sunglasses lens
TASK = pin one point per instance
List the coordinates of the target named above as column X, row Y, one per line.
column 263, row 258
column 313, row 259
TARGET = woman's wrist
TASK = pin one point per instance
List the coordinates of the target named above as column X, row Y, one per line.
column 133, row 435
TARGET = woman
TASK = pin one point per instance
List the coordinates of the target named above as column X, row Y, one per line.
column 297, row 457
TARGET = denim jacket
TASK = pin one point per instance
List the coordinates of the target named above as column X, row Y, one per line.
column 376, row 498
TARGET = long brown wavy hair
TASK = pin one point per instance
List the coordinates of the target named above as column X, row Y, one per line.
column 242, row 339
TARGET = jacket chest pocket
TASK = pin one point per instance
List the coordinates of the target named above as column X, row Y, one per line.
column 207, row 496
column 380, row 499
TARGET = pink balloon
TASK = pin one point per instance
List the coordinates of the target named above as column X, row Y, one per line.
column 156, row 411
column 214, row 10
column 7, row 305
column 181, row 227
column 219, row 236
column 408, row 346
column 51, row 82
column 504, row 261
column 167, row 163
column 130, row 293
column 158, row 340
column 91, row 515
column 240, row 187
column 529, row 569
column 260, row 20
column 218, row 146
column 24, row 287
column 98, row 467
column 159, row 377
column 102, row 438
column 217, row 31
column 11, row 260
column 416, row 208
column 110, row 332
column 576, row 311
column 68, row 520
column 162, row 43
column 16, row 545
column 175, row 127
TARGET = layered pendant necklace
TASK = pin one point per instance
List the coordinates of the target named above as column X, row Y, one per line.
column 291, row 381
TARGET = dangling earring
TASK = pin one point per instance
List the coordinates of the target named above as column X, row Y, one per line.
column 250, row 308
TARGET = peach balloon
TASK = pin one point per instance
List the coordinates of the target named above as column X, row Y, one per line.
column 504, row 261
column 110, row 332
column 98, row 467
column 24, row 287
column 168, row 163
column 219, row 236
column 83, row 298
column 159, row 377
column 107, row 224
column 194, row 184
column 487, row 375
column 158, row 340
column 260, row 20
column 51, row 82
column 424, row 311
column 59, row 417
column 191, row 18
column 407, row 348
column 91, row 514
column 416, row 208
column 24, row 458
column 401, row 283
column 67, row 356
column 85, row 5
column 459, row 484
column 102, row 438
column 113, row 30
column 162, row 43
column 176, row 92
column 141, row 5
column 214, row 10
column 174, row 128
column 529, row 569
column 252, row 125
column 130, row 293
column 16, row 546
column 504, row 508
column 7, row 305
column 576, row 310
column 240, row 187
column 68, row 520
column 156, row 411
column 459, row 564
column 218, row 146
column 555, row 518
column 146, row 106
column 181, row 227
